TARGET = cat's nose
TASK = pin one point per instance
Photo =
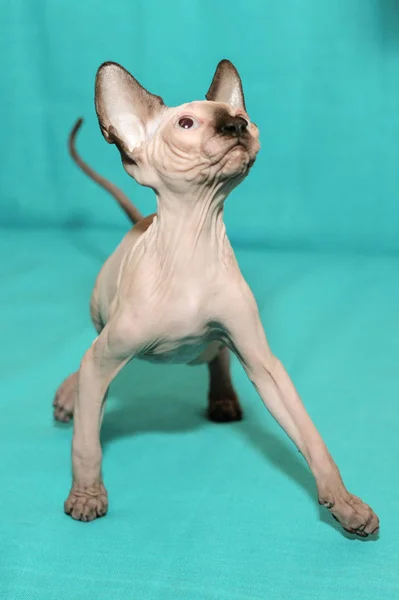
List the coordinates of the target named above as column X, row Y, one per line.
column 233, row 126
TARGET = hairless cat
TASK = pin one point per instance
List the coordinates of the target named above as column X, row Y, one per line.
column 172, row 291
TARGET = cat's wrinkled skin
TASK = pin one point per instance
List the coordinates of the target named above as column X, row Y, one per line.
column 173, row 292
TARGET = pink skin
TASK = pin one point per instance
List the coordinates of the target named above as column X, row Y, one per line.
column 172, row 290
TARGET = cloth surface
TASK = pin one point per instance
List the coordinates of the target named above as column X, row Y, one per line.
column 321, row 80
column 199, row 511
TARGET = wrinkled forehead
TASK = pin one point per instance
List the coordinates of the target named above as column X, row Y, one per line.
column 203, row 109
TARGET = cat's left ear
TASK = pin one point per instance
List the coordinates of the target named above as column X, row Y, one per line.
column 226, row 86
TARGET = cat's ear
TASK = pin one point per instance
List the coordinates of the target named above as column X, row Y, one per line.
column 226, row 86
column 127, row 113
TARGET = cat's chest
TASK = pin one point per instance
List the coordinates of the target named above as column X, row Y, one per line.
column 180, row 342
column 182, row 331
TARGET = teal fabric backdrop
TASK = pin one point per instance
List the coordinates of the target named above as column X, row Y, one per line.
column 321, row 80
column 197, row 511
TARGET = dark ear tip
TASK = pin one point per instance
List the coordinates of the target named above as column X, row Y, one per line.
column 226, row 63
column 109, row 65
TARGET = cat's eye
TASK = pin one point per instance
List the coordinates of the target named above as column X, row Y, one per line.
column 187, row 123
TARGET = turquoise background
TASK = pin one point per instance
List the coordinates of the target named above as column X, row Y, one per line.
column 200, row 511
column 321, row 79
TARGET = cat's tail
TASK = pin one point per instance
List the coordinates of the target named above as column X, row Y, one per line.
column 123, row 201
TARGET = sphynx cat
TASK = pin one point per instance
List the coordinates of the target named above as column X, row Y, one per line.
column 172, row 291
